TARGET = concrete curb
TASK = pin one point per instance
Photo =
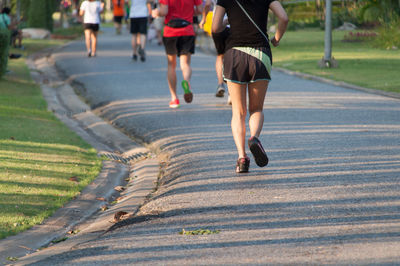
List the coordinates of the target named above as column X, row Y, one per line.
column 83, row 214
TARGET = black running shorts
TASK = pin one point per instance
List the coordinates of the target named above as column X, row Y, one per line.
column 246, row 64
column 138, row 25
column 179, row 45
column 220, row 40
column 91, row 26
column 118, row 19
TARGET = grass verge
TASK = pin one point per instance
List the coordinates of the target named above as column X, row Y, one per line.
column 43, row 165
column 360, row 63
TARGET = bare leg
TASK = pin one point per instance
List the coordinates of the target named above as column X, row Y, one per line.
column 239, row 110
column 185, row 66
column 93, row 37
column 218, row 68
column 134, row 43
column 142, row 41
column 257, row 92
column 19, row 37
column 142, row 46
column 119, row 28
column 171, row 75
column 87, row 39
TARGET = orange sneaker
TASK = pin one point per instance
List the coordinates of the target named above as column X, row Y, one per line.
column 174, row 103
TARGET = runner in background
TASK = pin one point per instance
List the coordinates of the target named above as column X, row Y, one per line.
column 179, row 40
column 127, row 11
column 90, row 10
column 158, row 24
column 219, row 42
column 119, row 13
column 139, row 14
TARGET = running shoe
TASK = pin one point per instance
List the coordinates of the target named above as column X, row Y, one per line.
column 142, row 54
column 188, row 96
column 220, row 90
column 174, row 103
column 260, row 156
column 242, row 165
column 134, row 57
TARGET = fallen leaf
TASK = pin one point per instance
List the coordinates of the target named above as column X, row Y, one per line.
column 73, row 232
column 104, row 207
column 119, row 199
column 12, row 138
column 101, row 199
column 119, row 188
column 73, row 179
column 118, row 216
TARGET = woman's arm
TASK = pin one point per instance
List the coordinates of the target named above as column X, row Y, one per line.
column 217, row 23
column 283, row 20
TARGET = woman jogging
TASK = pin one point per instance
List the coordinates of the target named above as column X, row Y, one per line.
column 90, row 10
column 247, row 67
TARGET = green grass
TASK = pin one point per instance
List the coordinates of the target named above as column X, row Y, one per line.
column 72, row 31
column 38, row 154
column 360, row 63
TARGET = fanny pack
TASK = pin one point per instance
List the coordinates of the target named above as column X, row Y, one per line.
column 178, row 23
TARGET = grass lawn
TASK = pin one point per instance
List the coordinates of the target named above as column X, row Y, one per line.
column 360, row 63
column 43, row 164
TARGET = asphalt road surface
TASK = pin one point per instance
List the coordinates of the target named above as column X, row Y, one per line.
column 330, row 194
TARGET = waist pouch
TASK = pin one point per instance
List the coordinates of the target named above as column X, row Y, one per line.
column 178, row 23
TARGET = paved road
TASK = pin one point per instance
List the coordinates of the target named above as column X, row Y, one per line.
column 330, row 195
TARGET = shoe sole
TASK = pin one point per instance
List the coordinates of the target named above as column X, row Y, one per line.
column 259, row 154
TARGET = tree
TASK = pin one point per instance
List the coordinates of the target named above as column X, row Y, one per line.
column 40, row 13
column 384, row 10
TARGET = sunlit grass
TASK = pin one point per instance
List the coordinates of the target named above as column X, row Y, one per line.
column 38, row 154
column 360, row 63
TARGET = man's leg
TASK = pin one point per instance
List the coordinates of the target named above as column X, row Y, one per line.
column 185, row 66
column 142, row 46
column 218, row 68
column 19, row 37
column 142, row 41
column 134, row 44
column 187, row 74
column 171, row 76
